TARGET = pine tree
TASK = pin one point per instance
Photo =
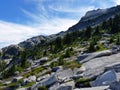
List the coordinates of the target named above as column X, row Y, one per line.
column 23, row 59
column 58, row 44
column 88, row 32
column 97, row 31
column 68, row 39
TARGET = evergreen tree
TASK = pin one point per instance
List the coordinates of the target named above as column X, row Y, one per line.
column 23, row 59
column 9, row 72
column 97, row 31
column 118, row 40
column 68, row 39
column 116, row 25
column 88, row 32
column 91, row 47
column 61, row 61
column 58, row 44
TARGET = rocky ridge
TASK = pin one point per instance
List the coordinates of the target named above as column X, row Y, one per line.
column 91, row 18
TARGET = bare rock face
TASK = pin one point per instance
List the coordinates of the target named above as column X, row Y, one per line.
column 33, row 41
column 115, row 86
column 11, row 50
column 93, row 14
column 95, row 17
column 105, row 79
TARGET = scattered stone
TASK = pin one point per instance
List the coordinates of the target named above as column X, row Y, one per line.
column 31, row 79
column 22, row 89
column 55, row 69
column 43, row 77
column 15, row 79
column 24, row 82
column 16, row 73
column 67, row 86
column 105, row 79
column 54, row 86
column 6, row 83
column 94, row 88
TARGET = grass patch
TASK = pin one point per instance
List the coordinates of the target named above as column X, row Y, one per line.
column 81, row 82
column 42, row 88
column 100, row 47
column 12, row 84
column 28, row 85
column 1, row 84
column 34, row 71
column 72, row 65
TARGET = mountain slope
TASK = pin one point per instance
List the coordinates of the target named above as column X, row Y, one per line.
column 95, row 17
column 91, row 18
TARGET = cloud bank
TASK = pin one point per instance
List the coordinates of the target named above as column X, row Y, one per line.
column 11, row 33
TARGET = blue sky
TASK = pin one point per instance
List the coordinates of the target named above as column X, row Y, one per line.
column 22, row 19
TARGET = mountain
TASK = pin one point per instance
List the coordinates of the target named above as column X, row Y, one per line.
column 91, row 18
column 12, row 50
column 77, row 53
column 33, row 41
column 95, row 17
column 29, row 43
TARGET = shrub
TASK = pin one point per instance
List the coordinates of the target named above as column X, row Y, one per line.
column 68, row 53
column 54, row 64
column 83, row 82
column 61, row 61
column 42, row 88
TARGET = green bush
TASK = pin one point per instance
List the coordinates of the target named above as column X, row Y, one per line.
column 91, row 48
column 61, row 61
column 42, row 88
column 34, row 71
column 2, row 65
column 84, row 82
column 68, row 53
column 54, row 64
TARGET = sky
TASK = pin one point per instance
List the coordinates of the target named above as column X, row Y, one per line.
column 22, row 19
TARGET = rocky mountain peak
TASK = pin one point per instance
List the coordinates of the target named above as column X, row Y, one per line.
column 95, row 17
column 93, row 14
column 32, row 41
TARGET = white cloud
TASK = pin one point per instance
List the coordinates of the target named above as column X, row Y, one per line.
column 56, row 25
column 11, row 33
column 50, row 25
column 44, row 21
column 117, row 2
column 72, row 10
